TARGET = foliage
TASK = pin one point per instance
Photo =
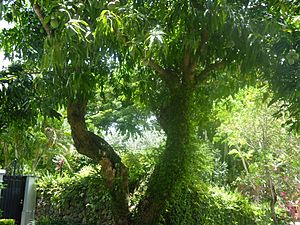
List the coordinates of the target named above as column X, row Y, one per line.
column 63, row 198
column 195, row 203
column 25, row 116
column 267, row 150
column 113, row 107
column 163, row 40
column 140, row 165
column 57, row 203
column 285, row 81
column 139, row 151
column 202, row 204
column 16, row 46
column 18, row 100
column 38, row 148
column 136, row 142
column 21, row 149
column 7, row 222
column 54, row 221
column 202, row 162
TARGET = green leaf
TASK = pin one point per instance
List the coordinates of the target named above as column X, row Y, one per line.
column 234, row 152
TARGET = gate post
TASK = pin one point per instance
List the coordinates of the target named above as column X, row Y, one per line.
column 29, row 201
column 2, row 173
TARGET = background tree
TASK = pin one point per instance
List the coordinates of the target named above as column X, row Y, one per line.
column 285, row 80
column 268, row 151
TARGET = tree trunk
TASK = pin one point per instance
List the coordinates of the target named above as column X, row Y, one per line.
column 113, row 170
column 175, row 120
column 273, row 202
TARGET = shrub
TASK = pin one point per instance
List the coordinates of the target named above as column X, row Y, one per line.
column 200, row 204
column 53, row 221
column 7, row 222
column 78, row 199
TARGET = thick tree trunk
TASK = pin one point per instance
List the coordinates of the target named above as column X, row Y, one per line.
column 113, row 170
column 175, row 120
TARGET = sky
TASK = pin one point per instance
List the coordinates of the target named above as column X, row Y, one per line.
column 3, row 62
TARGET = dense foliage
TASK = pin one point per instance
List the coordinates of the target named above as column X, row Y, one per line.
column 61, row 200
column 64, row 198
column 198, row 204
column 267, row 150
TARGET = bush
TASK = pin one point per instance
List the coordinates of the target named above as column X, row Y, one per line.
column 53, row 221
column 7, row 222
column 200, row 204
column 78, row 199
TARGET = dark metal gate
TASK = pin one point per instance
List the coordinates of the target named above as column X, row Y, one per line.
column 12, row 197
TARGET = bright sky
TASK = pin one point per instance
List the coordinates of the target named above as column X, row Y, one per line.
column 3, row 62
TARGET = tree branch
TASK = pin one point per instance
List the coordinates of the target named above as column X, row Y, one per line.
column 38, row 11
column 205, row 73
column 114, row 172
column 189, row 67
column 170, row 77
column 153, row 65
column 85, row 141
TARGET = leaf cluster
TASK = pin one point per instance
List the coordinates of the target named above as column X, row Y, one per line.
column 17, row 99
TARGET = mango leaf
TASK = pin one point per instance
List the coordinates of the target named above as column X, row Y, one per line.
column 234, row 152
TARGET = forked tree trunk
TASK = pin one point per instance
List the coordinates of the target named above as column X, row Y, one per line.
column 113, row 170
column 175, row 120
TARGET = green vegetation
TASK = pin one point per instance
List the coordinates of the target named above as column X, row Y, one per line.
column 64, row 198
column 198, row 205
column 7, row 222
column 149, row 112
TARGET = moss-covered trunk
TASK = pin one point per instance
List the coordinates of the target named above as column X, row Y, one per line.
column 175, row 119
column 114, row 171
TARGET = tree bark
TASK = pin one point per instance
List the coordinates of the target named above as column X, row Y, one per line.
column 176, row 122
column 113, row 170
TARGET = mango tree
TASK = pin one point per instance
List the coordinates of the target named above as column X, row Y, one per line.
column 179, row 47
column 187, row 46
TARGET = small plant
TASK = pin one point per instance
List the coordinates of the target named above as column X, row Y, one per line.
column 7, row 222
